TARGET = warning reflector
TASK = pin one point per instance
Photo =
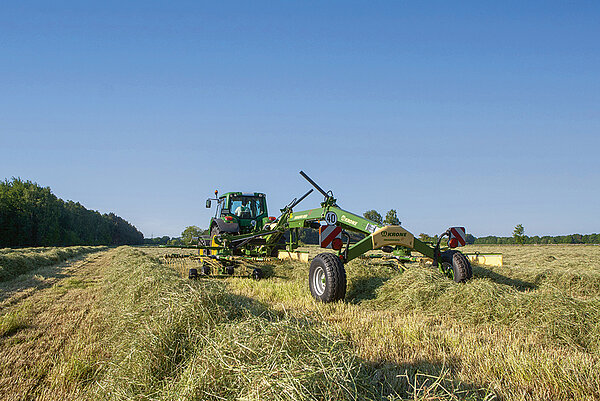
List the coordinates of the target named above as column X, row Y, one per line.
column 327, row 234
column 458, row 237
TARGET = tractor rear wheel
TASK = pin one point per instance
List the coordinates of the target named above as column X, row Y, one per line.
column 457, row 266
column 327, row 278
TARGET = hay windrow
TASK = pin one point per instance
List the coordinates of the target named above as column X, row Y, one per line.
column 14, row 262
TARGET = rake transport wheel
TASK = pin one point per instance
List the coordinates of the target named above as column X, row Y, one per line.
column 457, row 266
column 327, row 278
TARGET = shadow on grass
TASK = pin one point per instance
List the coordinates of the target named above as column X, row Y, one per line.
column 520, row 285
column 364, row 288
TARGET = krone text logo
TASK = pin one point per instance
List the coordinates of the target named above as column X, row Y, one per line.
column 392, row 234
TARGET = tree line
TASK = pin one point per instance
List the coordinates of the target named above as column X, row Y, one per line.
column 31, row 215
column 546, row 239
column 520, row 238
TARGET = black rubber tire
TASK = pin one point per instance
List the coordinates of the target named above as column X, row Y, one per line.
column 257, row 274
column 229, row 270
column 460, row 265
column 206, row 270
column 331, row 269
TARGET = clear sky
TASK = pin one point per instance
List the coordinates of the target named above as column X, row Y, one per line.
column 484, row 113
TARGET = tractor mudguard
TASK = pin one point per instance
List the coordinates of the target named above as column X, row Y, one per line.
column 226, row 227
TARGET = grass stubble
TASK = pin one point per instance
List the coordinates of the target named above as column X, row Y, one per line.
column 16, row 262
column 529, row 330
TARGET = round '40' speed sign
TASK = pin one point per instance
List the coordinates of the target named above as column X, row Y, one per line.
column 330, row 218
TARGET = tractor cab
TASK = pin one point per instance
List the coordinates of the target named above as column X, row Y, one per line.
column 240, row 212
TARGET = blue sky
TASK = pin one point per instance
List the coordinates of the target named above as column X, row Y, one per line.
column 483, row 114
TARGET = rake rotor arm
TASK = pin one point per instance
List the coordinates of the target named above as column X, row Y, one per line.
column 295, row 202
column 314, row 184
column 329, row 199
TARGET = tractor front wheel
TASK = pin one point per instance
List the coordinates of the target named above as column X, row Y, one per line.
column 457, row 266
column 327, row 278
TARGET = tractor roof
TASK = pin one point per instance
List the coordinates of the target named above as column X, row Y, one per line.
column 257, row 194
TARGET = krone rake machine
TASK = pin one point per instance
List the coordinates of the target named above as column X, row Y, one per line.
column 242, row 235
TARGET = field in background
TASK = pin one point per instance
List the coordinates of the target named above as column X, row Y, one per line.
column 123, row 325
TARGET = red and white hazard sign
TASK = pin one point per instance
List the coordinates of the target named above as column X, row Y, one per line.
column 458, row 237
column 330, row 236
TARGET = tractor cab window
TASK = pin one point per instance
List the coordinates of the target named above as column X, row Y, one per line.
column 246, row 207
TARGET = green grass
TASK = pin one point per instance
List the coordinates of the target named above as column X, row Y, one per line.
column 14, row 320
column 14, row 262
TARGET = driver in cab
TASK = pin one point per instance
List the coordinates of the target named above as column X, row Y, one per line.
column 243, row 210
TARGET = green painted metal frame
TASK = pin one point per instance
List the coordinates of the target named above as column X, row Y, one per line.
column 352, row 222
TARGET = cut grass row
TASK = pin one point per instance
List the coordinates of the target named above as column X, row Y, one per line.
column 14, row 262
column 176, row 339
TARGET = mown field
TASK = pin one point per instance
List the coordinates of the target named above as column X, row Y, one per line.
column 123, row 325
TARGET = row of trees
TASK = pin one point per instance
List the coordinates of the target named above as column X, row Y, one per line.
column 189, row 236
column 390, row 217
column 546, row 239
column 31, row 215
column 519, row 237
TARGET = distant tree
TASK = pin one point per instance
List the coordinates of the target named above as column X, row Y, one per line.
column 391, row 218
column 374, row 216
column 164, row 240
column 307, row 236
column 470, row 239
column 425, row 237
column 519, row 234
column 175, row 241
column 190, row 235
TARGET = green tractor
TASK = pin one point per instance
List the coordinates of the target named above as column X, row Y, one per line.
column 240, row 226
